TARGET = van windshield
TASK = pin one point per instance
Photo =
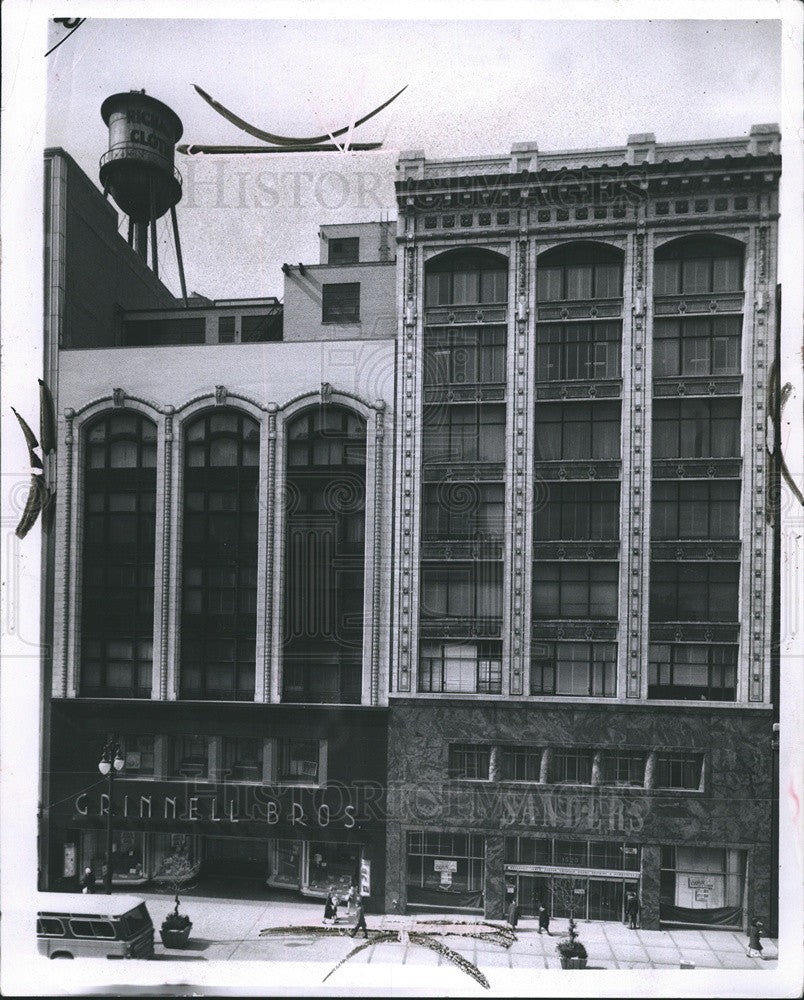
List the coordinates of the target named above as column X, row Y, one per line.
column 136, row 921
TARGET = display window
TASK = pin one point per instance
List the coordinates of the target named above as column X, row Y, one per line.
column 445, row 869
column 332, row 867
column 702, row 885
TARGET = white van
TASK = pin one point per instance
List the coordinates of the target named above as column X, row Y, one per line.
column 73, row 925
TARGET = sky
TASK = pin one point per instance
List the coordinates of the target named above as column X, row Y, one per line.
column 474, row 87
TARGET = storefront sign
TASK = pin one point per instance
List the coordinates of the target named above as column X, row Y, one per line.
column 702, row 895
column 445, row 866
column 365, row 877
column 701, row 882
column 446, row 879
column 210, row 807
column 70, row 861
column 582, row 812
column 558, row 870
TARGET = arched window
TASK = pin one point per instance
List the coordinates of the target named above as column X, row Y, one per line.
column 584, row 344
column 117, row 598
column 709, row 343
column 466, row 277
column 324, row 552
column 580, row 270
column 698, row 265
column 219, row 556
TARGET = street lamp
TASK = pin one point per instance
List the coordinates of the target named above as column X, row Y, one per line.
column 110, row 763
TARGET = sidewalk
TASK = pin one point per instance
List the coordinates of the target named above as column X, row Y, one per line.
column 225, row 929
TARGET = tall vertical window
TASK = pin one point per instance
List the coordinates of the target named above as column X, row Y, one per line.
column 324, row 553
column 696, row 428
column 694, row 592
column 689, row 509
column 219, row 556
column 117, row 599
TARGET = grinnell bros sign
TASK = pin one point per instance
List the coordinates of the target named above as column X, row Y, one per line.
column 336, row 807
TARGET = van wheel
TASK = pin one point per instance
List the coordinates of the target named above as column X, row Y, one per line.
column 62, row 954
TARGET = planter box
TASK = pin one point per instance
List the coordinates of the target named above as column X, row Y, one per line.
column 173, row 937
column 573, row 963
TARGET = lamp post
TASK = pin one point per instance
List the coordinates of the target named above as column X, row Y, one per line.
column 110, row 763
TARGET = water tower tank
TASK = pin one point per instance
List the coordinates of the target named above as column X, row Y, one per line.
column 137, row 170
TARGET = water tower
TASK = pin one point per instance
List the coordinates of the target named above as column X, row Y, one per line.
column 137, row 170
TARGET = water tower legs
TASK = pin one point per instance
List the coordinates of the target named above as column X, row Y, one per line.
column 154, row 255
column 178, row 253
column 141, row 239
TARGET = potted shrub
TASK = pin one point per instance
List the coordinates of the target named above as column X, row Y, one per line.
column 571, row 948
column 178, row 871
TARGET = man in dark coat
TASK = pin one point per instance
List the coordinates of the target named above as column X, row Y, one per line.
column 754, row 944
column 632, row 910
column 361, row 919
column 544, row 918
column 88, row 881
column 513, row 913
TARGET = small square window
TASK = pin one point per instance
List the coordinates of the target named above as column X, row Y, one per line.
column 340, row 303
column 543, row 215
column 600, row 213
column 226, row 329
column 562, row 214
column 740, row 204
column 503, row 218
column 581, row 213
column 467, row 220
column 484, row 219
column 702, row 205
column 298, row 762
column 448, row 221
column 619, row 211
column 721, row 204
column 430, row 221
column 682, row 207
column 344, row 251
column 662, row 207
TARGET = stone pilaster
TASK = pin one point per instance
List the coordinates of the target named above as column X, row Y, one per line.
column 162, row 626
column 756, row 562
column 408, row 407
column 649, row 886
column 270, row 506
column 395, row 868
column 63, row 630
column 377, row 561
column 520, row 462
column 494, row 878
column 635, row 481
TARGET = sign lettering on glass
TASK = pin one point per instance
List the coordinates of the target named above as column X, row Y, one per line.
column 701, row 881
column 445, row 866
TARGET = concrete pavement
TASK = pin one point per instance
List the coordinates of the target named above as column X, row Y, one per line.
column 225, row 929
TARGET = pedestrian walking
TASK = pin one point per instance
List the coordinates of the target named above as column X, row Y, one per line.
column 632, row 910
column 330, row 909
column 544, row 918
column 360, row 923
column 351, row 899
column 87, row 881
column 513, row 913
column 754, row 944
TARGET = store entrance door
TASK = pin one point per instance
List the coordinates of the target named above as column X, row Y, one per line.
column 235, row 858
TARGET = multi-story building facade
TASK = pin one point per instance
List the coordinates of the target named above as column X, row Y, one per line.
column 221, row 554
column 581, row 689
column 452, row 570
